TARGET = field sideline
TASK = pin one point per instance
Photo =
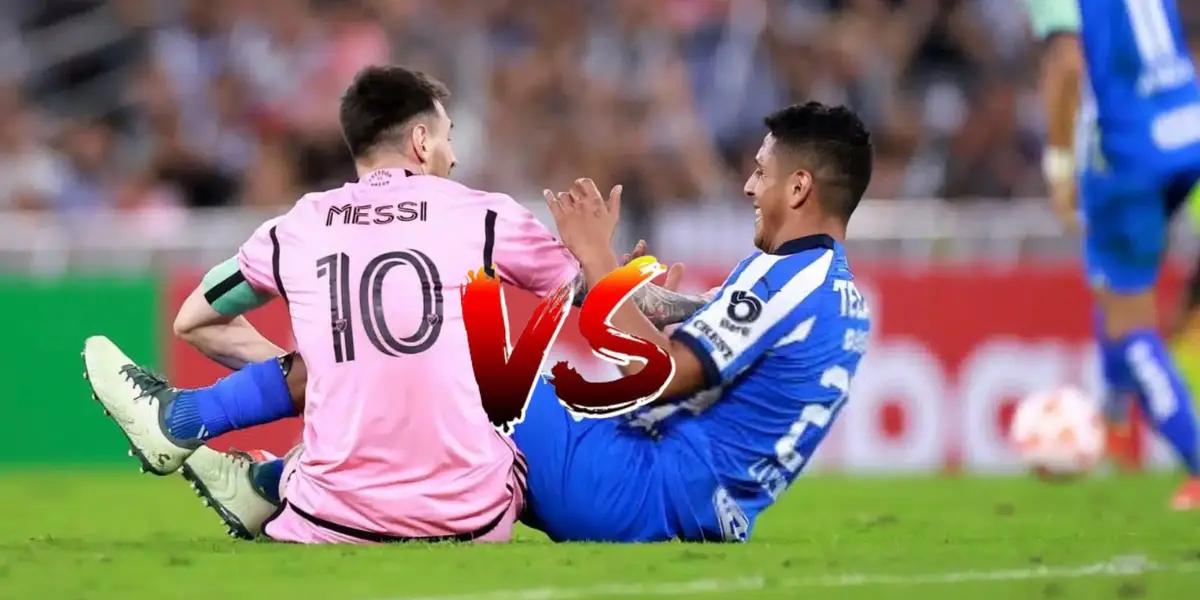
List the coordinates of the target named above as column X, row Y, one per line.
column 115, row 534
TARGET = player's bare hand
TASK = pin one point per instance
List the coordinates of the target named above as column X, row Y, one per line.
column 1063, row 202
column 586, row 220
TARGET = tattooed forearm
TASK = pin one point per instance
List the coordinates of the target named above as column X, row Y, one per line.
column 662, row 306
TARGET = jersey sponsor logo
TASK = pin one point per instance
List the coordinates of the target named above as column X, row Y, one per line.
column 1177, row 129
column 718, row 342
column 743, row 307
column 380, row 214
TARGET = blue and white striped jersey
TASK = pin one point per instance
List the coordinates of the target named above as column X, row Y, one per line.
column 779, row 344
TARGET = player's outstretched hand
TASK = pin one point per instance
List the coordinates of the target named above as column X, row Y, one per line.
column 586, row 220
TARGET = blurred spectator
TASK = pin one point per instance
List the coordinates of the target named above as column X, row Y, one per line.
column 29, row 169
column 225, row 101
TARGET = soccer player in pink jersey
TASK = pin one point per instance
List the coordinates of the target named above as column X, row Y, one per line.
column 396, row 444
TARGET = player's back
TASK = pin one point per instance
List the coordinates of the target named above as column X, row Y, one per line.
column 1146, row 98
column 396, row 439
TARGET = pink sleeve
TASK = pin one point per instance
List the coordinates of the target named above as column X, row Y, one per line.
column 528, row 255
column 258, row 258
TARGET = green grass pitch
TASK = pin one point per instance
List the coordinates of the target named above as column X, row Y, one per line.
column 115, row 534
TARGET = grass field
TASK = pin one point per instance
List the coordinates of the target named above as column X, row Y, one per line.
column 114, row 534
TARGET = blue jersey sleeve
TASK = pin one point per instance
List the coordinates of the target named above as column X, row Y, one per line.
column 768, row 299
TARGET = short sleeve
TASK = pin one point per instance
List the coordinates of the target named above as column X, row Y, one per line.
column 1049, row 17
column 258, row 259
column 527, row 255
column 750, row 316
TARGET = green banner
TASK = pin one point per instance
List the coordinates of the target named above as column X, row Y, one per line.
column 49, row 415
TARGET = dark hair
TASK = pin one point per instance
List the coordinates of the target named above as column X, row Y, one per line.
column 833, row 143
column 383, row 98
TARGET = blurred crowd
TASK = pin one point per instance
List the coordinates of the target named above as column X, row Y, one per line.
column 144, row 104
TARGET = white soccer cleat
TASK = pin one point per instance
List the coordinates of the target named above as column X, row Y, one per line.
column 223, row 480
column 134, row 398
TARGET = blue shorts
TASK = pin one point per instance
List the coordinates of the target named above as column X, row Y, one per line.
column 1126, row 224
column 594, row 480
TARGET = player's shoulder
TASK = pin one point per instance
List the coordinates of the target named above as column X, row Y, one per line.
column 797, row 269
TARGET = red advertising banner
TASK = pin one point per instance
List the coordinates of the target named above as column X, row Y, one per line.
column 952, row 348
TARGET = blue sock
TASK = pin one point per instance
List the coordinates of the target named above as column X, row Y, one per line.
column 1163, row 396
column 265, row 476
column 253, row 395
column 1118, row 382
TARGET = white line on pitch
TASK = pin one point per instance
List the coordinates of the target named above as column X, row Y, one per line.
column 1118, row 566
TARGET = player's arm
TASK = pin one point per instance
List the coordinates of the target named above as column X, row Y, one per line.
column 689, row 375
column 586, row 223
column 211, row 318
column 662, row 305
column 1057, row 23
column 528, row 256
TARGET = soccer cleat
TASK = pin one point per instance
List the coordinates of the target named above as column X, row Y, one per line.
column 1187, row 497
column 135, row 398
column 223, row 482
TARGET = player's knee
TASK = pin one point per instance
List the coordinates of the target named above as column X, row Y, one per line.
column 1125, row 313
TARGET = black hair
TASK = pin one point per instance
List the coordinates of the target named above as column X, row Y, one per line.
column 833, row 144
column 382, row 99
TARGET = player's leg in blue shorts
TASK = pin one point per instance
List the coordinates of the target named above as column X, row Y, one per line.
column 592, row 479
column 1126, row 223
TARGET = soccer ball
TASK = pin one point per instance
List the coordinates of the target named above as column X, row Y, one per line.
column 1058, row 433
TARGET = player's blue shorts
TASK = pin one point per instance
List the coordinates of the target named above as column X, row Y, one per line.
column 1126, row 223
column 594, row 480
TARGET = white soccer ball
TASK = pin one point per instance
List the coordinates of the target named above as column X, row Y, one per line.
column 1058, row 433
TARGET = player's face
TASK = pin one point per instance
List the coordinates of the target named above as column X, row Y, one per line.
column 435, row 149
column 768, row 192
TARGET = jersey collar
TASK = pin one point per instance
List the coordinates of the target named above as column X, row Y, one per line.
column 384, row 177
column 808, row 242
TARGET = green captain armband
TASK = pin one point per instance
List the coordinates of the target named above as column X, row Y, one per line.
column 1049, row 17
column 228, row 292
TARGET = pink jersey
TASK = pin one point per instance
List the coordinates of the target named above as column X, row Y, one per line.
column 396, row 440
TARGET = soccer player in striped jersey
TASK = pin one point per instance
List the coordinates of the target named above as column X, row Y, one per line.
column 761, row 372
column 1124, row 135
